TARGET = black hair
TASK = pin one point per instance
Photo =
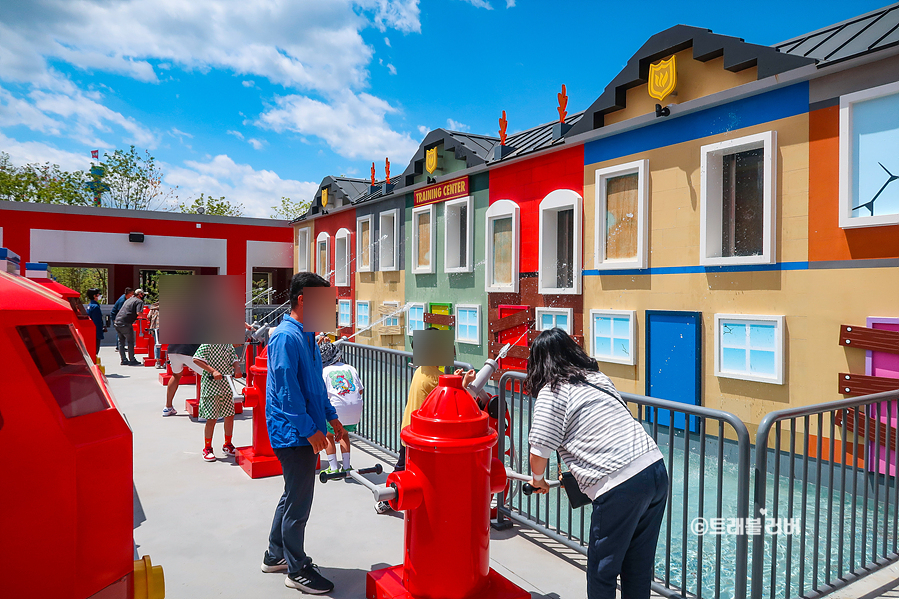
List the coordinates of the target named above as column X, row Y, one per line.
column 92, row 293
column 302, row 280
column 128, row 290
column 555, row 358
column 430, row 328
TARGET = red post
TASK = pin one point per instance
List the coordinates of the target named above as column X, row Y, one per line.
column 258, row 460
column 445, row 491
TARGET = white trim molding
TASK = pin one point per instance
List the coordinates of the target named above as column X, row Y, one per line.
column 613, row 334
column 499, row 210
column 567, row 312
column 458, row 328
column 304, row 245
column 547, row 272
column 711, row 202
column 323, row 270
column 432, row 241
column 349, row 313
column 409, row 328
column 640, row 260
column 451, row 244
column 745, row 343
column 360, row 265
column 848, row 151
column 368, row 322
column 342, row 271
column 389, row 241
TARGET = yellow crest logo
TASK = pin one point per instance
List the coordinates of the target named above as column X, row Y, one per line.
column 431, row 160
column 662, row 79
column 324, row 197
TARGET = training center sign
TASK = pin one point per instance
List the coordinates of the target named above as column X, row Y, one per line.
column 448, row 190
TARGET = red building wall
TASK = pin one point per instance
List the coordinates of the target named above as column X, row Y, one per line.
column 331, row 224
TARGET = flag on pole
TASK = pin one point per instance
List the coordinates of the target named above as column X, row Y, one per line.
column 95, row 154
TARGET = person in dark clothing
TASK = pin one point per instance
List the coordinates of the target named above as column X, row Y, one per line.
column 118, row 306
column 297, row 414
column 123, row 322
column 93, row 310
column 179, row 355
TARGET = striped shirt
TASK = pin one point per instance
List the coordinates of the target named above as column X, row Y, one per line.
column 596, row 436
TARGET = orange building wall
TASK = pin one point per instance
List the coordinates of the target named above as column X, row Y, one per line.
column 827, row 241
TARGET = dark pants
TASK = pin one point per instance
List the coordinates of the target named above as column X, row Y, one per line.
column 289, row 526
column 126, row 339
column 401, row 460
column 624, row 531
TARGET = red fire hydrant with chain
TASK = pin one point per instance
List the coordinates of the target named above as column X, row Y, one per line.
column 258, row 460
column 445, row 491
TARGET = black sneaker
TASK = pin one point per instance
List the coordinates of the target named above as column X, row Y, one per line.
column 134, row 363
column 309, row 580
column 270, row 564
column 124, row 363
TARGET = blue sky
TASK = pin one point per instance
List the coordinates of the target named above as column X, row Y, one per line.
column 258, row 99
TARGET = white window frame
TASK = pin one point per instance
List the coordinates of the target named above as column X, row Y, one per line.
column 396, row 241
column 360, row 267
column 568, row 312
column 477, row 309
column 430, row 268
column 389, row 322
column 450, row 237
column 711, row 202
column 632, row 338
column 554, row 202
column 303, row 249
column 747, row 319
column 847, row 221
column 323, row 237
column 349, row 306
column 367, row 304
column 409, row 328
column 343, row 237
column 600, row 262
column 499, row 210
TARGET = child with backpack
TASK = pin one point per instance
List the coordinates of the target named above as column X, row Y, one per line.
column 345, row 392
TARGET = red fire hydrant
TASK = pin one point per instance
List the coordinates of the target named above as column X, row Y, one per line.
column 258, row 460
column 445, row 491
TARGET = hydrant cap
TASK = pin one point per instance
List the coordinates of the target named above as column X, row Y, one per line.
column 450, row 412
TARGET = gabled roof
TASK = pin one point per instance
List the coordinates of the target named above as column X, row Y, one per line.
column 536, row 138
column 373, row 192
column 738, row 56
column 876, row 30
column 341, row 188
column 471, row 148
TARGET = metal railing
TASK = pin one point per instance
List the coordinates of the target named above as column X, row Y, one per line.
column 840, row 495
column 707, row 455
column 386, row 375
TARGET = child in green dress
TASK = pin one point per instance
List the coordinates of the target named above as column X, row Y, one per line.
column 216, row 395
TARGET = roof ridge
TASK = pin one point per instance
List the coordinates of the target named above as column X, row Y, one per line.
column 838, row 25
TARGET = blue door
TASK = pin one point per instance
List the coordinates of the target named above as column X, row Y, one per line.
column 674, row 362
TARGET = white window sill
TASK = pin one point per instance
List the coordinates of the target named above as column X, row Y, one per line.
column 628, row 361
column 736, row 260
column 622, row 265
column 562, row 291
column 748, row 377
column 457, row 269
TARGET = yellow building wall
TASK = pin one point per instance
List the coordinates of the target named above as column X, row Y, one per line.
column 377, row 288
column 695, row 80
column 296, row 241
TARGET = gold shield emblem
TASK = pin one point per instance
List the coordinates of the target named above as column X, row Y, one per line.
column 662, row 79
column 324, row 197
column 431, row 160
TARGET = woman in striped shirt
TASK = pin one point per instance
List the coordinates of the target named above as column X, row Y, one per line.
column 579, row 413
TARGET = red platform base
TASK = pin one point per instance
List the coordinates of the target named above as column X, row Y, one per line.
column 388, row 584
column 186, row 379
column 257, row 466
column 151, row 362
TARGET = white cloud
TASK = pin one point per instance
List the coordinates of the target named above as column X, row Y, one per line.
column 457, row 126
column 257, row 144
column 30, row 152
column 510, row 3
column 391, row 68
column 353, row 125
column 236, row 134
column 423, row 130
column 257, row 190
column 248, row 83
column 387, row 41
column 178, row 133
column 480, row 4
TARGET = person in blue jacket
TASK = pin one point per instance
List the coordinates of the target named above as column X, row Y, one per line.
column 93, row 310
column 297, row 413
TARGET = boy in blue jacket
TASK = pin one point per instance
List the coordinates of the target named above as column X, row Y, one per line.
column 93, row 310
column 297, row 413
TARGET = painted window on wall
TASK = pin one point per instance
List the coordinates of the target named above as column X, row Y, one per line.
column 416, row 317
column 622, row 200
column 502, row 251
column 363, row 244
column 468, row 324
column 560, row 243
column 869, row 157
column 501, row 268
column 344, row 313
column 322, row 259
column 388, row 253
column 393, row 321
column 458, row 235
column 621, row 217
column 749, row 347
column 303, row 250
column 737, row 201
column 551, row 318
column 362, row 315
column 342, row 260
column 612, row 336
column 423, row 240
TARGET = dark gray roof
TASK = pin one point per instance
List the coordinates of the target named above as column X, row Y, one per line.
column 876, row 30
column 738, row 55
column 536, row 138
column 342, row 188
column 378, row 190
column 471, row 148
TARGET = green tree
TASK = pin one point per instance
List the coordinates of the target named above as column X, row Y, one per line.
column 82, row 279
column 44, row 183
column 134, row 181
column 212, row 205
column 289, row 210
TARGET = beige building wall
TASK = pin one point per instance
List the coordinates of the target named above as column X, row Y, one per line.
column 377, row 288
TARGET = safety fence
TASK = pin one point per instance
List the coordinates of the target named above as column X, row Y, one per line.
column 825, row 476
column 829, row 474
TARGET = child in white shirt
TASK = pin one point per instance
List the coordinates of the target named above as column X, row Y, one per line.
column 345, row 392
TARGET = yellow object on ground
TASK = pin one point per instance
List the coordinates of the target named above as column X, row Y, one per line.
column 149, row 581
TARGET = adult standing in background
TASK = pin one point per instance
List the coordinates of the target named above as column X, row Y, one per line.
column 93, row 310
column 123, row 322
column 297, row 413
column 118, row 306
column 153, row 317
column 578, row 412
